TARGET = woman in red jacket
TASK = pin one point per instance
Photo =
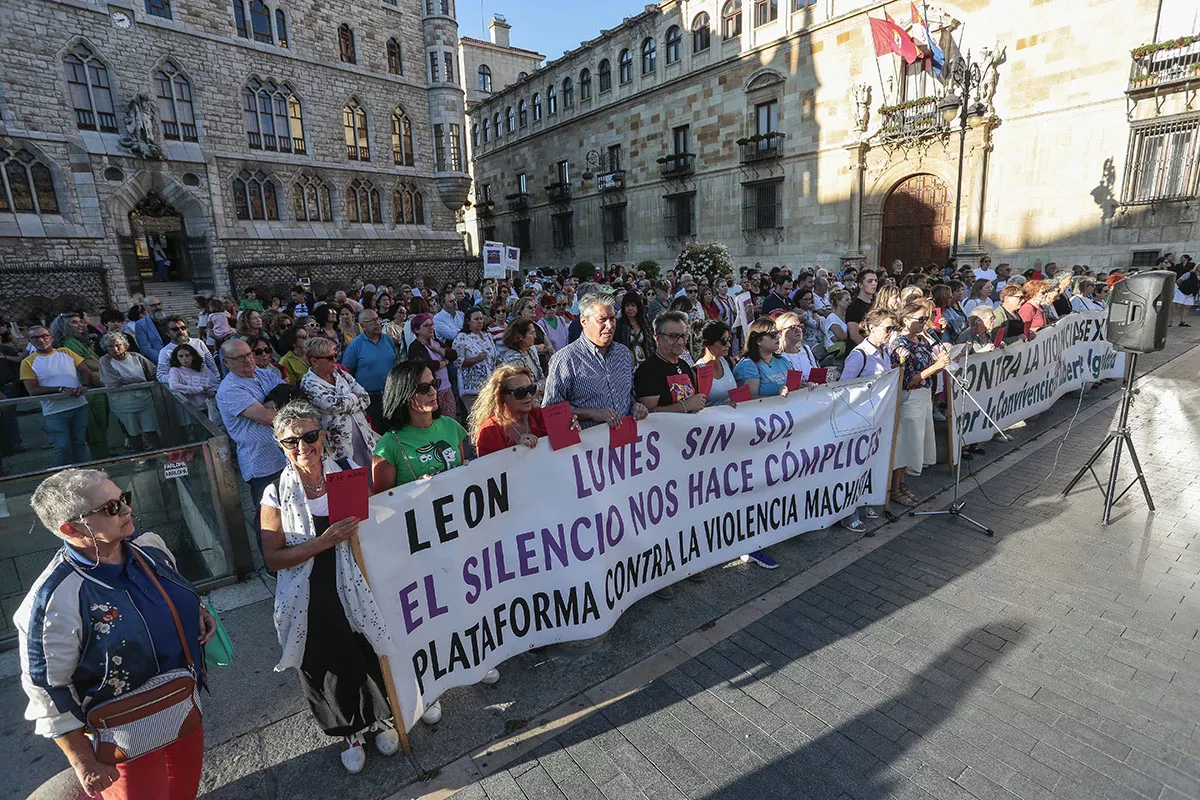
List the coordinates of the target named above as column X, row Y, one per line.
column 504, row 415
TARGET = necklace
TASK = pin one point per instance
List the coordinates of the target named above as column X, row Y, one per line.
column 313, row 488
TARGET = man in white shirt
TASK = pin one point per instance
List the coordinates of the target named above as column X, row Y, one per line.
column 177, row 330
column 448, row 322
column 60, row 378
column 820, row 289
column 984, row 270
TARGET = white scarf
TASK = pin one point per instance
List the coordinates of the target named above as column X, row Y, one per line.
column 291, row 589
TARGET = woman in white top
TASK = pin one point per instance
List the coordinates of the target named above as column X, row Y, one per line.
column 835, row 322
column 981, row 294
column 1083, row 296
column 718, row 344
column 190, row 381
column 871, row 357
column 792, row 348
column 329, row 625
column 134, row 409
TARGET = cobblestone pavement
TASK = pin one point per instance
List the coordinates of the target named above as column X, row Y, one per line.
column 1058, row 660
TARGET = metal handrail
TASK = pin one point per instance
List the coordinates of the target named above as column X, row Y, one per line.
column 91, row 392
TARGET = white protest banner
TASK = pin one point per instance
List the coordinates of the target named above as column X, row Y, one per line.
column 493, row 260
column 1025, row 378
column 525, row 548
column 512, row 259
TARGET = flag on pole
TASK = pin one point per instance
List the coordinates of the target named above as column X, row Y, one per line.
column 922, row 35
column 891, row 38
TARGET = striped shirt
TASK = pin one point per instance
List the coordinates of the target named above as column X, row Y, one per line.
column 585, row 377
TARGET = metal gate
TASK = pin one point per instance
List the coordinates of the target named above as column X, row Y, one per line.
column 917, row 219
column 37, row 291
column 200, row 260
column 278, row 278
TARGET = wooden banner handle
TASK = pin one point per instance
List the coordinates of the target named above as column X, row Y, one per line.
column 384, row 666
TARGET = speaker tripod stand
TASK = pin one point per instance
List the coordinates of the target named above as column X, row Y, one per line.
column 1120, row 439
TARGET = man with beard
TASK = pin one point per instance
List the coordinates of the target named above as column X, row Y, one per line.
column 149, row 331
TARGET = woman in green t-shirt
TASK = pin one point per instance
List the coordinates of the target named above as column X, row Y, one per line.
column 419, row 443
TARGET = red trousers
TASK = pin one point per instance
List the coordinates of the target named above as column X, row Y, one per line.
column 172, row 773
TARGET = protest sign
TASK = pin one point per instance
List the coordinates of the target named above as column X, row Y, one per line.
column 530, row 547
column 493, row 260
column 512, row 259
column 1025, row 378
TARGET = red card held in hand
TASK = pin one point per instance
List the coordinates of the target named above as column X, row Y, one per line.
column 624, row 434
column 795, row 379
column 705, row 374
column 740, row 394
column 348, row 493
column 558, row 425
column 818, row 375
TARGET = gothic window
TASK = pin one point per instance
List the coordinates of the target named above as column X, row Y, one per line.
column 674, row 44
column 402, row 139
column 26, row 184
column 175, row 111
column 731, row 20
column 159, row 8
column 408, row 206
column 395, row 58
column 239, row 18
column 625, row 66
column 310, row 200
column 605, row 72
column 354, row 125
column 487, row 130
column 649, row 56
column 537, row 108
column 260, row 22
column 254, row 196
column 485, row 78
column 701, row 32
column 585, row 85
column 496, row 124
column 552, row 99
column 281, row 27
column 346, row 44
column 475, row 135
column 362, row 202
column 91, row 92
column 510, row 120
column 418, row 208
column 272, row 116
column 568, row 92
column 522, row 113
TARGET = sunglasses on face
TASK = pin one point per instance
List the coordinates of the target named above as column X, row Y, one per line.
column 426, row 388
column 522, row 392
column 113, row 507
column 725, row 341
column 177, row 329
column 293, row 442
column 259, row 351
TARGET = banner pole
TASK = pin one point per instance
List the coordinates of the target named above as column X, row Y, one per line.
column 895, row 432
column 951, row 425
column 384, row 665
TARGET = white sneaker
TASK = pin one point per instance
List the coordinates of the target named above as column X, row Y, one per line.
column 939, row 415
column 432, row 715
column 490, row 677
column 354, row 757
column 387, row 740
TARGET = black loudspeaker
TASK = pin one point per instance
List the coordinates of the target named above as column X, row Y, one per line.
column 1139, row 311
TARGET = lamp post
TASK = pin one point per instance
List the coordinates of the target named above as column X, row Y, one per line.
column 596, row 162
column 965, row 76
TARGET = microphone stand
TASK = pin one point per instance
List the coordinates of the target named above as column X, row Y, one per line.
column 955, row 509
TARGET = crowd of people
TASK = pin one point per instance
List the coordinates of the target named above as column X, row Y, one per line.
column 410, row 382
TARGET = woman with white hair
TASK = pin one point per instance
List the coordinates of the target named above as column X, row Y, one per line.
column 328, row 624
column 134, row 409
column 109, row 614
column 341, row 400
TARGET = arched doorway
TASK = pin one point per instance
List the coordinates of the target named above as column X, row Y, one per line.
column 159, row 240
column 917, row 218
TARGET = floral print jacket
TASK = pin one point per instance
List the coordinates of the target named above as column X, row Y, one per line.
column 342, row 405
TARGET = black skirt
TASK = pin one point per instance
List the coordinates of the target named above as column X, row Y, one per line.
column 340, row 673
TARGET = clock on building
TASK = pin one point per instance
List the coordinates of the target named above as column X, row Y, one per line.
column 121, row 20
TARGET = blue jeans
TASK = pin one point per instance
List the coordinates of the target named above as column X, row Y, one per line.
column 67, row 432
column 375, row 413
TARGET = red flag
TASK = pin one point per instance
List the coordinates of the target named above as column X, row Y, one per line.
column 891, row 38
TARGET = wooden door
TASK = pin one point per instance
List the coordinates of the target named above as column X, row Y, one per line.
column 917, row 221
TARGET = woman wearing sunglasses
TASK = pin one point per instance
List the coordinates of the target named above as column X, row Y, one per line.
column 718, row 344
column 342, row 401
column 95, row 627
column 420, row 442
column 916, row 447
column 505, row 415
column 328, row 624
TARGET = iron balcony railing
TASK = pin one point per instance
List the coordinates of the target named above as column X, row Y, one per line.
column 1166, row 66
column 559, row 192
column 913, row 120
column 518, row 201
column 762, row 147
column 678, row 165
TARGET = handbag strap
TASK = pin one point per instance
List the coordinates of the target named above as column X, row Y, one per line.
column 404, row 453
column 187, row 651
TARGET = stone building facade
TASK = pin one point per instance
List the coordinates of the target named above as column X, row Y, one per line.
column 490, row 66
column 220, row 131
column 773, row 128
